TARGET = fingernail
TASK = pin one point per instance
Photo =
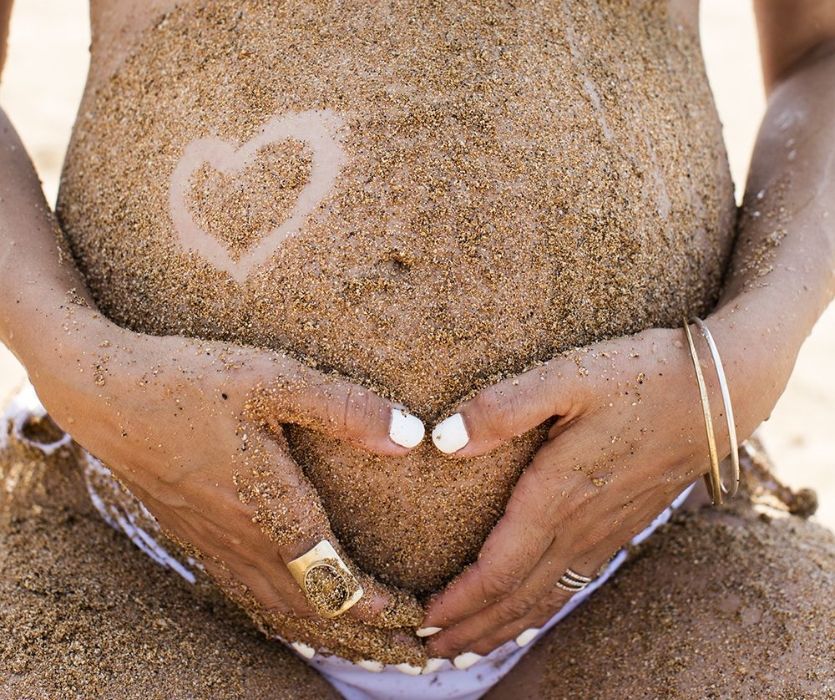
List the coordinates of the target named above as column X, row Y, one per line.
column 450, row 435
column 408, row 669
column 373, row 666
column 427, row 631
column 433, row 665
column 527, row 636
column 464, row 661
column 405, row 429
column 306, row 651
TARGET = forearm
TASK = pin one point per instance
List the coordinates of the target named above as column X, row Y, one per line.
column 38, row 283
column 783, row 270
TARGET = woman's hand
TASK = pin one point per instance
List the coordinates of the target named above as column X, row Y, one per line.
column 629, row 436
column 193, row 429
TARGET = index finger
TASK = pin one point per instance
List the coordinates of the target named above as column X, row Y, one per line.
column 510, row 553
column 288, row 510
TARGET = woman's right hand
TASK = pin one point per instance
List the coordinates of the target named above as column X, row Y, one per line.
column 193, row 429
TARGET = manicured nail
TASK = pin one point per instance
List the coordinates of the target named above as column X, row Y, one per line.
column 427, row 631
column 433, row 665
column 373, row 666
column 527, row 636
column 306, row 651
column 450, row 435
column 405, row 429
column 408, row 669
column 464, row 661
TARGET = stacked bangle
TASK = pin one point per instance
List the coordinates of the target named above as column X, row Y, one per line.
column 726, row 399
column 713, row 479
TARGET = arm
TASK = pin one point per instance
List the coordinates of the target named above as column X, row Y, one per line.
column 629, row 433
column 5, row 16
column 783, row 272
column 193, row 428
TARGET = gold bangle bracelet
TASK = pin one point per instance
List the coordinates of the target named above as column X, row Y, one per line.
column 726, row 399
column 715, row 480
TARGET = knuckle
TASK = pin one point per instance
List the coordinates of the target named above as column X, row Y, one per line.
column 499, row 583
column 357, row 412
column 516, row 607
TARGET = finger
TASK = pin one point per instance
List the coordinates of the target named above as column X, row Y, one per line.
column 336, row 407
column 288, row 511
column 516, row 544
column 509, row 617
column 237, row 553
column 508, row 409
column 538, row 598
column 245, row 585
column 549, row 602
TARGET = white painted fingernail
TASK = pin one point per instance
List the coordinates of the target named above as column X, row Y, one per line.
column 450, row 435
column 427, row 631
column 408, row 669
column 306, row 651
column 373, row 666
column 527, row 636
column 464, row 661
column 405, row 429
column 433, row 665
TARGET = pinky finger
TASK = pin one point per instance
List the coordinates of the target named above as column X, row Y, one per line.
column 556, row 603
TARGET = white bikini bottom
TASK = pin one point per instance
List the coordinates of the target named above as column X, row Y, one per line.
column 354, row 682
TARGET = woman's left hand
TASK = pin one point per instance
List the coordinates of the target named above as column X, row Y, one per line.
column 629, row 437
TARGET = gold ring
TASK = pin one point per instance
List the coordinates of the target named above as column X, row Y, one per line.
column 328, row 584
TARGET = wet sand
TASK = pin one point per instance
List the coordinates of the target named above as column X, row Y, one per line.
column 759, row 622
column 86, row 614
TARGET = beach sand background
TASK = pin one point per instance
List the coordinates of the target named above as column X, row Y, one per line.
column 45, row 74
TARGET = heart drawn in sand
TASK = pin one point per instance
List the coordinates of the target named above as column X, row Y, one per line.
column 316, row 129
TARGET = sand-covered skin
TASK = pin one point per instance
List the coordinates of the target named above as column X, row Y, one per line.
column 521, row 178
column 726, row 604
column 87, row 615
column 222, row 204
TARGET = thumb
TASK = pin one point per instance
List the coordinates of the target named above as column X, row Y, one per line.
column 332, row 405
column 509, row 409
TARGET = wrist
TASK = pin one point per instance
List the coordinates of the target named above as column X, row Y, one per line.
column 758, row 351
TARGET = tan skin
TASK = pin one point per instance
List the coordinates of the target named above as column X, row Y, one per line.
column 632, row 420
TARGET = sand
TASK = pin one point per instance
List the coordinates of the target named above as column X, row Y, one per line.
column 86, row 614
column 498, row 204
column 730, row 604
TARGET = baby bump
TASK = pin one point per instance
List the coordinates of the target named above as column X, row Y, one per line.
column 424, row 199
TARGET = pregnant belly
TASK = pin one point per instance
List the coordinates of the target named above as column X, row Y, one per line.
column 422, row 197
